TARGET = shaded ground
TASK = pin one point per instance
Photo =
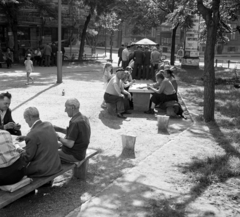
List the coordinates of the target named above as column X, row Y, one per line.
column 85, row 83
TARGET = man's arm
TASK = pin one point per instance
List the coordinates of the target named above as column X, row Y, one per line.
column 66, row 142
column 59, row 129
column 31, row 148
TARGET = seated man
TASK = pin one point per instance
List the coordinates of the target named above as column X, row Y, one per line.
column 6, row 121
column 41, row 153
column 77, row 139
column 115, row 93
column 11, row 163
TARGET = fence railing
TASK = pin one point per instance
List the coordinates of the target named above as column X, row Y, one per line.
column 226, row 62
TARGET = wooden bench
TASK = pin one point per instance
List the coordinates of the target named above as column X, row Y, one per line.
column 80, row 171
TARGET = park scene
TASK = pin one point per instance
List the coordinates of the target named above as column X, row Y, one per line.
column 119, row 108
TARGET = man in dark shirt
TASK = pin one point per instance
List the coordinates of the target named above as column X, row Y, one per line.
column 146, row 63
column 77, row 138
column 120, row 54
column 6, row 121
column 138, row 57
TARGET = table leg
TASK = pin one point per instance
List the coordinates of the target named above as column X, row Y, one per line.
column 141, row 101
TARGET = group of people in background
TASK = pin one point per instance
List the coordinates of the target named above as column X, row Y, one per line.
column 143, row 59
column 45, row 55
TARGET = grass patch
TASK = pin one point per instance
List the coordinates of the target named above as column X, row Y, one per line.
column 225, row 130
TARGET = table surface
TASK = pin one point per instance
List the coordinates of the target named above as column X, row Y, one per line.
column 139, row 88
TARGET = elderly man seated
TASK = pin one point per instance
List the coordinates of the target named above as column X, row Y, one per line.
column 11, row 163
column 115, row 93
column 77, row 139
column 41, row 153
column 6, row 121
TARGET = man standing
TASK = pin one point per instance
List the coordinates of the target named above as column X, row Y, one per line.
column 6, row 121
column 125, row 57
column 146, row 64
column 41, row 153
column 155, row 59
column 77, row 139
column 120, row 50
column 47, row 54
column 11, row 163
column 138, row 57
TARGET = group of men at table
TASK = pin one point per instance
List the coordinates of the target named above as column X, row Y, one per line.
column 44, row 148
column 117, row 94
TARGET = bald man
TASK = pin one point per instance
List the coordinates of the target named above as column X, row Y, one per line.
column 77, row 139
column 41, row 153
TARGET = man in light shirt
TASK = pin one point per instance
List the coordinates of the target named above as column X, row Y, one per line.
column 115, row 93
column 155, row 59
column 125, row 57
column 41, row 153
column 11, row 163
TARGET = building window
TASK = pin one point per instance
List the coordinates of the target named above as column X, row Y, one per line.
column 232, row 49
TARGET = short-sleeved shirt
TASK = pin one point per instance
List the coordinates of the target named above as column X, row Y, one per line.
column 78, row 131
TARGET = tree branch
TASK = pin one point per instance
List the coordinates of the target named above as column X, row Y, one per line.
column 203, row 10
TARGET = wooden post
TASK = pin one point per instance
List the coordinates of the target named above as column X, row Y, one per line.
column 81, row 171
column 163, row 122
column 128, row 145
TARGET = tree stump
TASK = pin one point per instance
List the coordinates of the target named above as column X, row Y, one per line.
column 128, row 145
column 163, row 122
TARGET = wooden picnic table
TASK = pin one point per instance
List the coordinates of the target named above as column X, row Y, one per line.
column 141, row 96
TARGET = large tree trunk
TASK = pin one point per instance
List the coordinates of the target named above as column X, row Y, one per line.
column 174, row 32
column 209, row 74
column 211, row 18
column 83, row 38
column 15, row 39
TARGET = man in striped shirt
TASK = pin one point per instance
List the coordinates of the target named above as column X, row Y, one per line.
column 11, row 163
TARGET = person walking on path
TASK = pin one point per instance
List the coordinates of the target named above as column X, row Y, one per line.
column 9, row 58
column 125, row 57
column 47, row 53
column 29, row 68
column 120, row 50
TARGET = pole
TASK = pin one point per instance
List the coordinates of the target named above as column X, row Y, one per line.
column 59, row 54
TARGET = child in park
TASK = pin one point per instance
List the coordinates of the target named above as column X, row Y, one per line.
column 107, row 75
column 29, row 68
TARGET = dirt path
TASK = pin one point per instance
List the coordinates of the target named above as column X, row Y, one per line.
column 85, row 83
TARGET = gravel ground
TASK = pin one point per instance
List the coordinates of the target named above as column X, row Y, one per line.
column 85, row 83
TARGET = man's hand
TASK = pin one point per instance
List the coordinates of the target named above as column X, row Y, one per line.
column 20, row 138
column 9, row 125
column 122, row 95
column 17, row 126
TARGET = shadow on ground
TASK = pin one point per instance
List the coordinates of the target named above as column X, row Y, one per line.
column 68, row 192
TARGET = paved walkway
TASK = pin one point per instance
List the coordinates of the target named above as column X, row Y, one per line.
column 155, row 178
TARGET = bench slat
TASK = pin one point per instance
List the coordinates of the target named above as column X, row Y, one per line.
column 8, row 197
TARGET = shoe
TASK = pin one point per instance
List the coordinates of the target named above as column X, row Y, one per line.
column 151, row 111
column 126, row 113
column 121, row 116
